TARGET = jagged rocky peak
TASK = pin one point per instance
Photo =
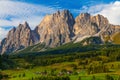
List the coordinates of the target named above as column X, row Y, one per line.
column 26, row 24
column 84, row 16
column 63, row 13
column 100, row 20
column 85, row 24
column 17, row 38
column 23, row 26
column 60, row 21
column 56, row 29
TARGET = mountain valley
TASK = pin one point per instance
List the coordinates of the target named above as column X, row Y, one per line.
column 62, row 47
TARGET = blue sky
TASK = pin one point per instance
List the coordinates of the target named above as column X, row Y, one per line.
column 13, row 12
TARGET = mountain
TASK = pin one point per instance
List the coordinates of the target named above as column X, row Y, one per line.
column 60, row 28
column 56, row 29
column 17, row 38
column 85, row 24
column 91, row 26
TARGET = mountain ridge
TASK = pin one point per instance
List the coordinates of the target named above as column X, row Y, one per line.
column 60, row 28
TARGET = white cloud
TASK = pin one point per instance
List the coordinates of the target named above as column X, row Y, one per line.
column 14, row 12
column 3, row 33
column 111, row 11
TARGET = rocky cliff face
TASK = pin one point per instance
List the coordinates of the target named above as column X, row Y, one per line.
column 56, row 29
column 60, row 28
column 17, row 38
column 89, row 26
column 85, row 24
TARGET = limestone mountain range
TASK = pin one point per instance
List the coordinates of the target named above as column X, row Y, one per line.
column 60, row 28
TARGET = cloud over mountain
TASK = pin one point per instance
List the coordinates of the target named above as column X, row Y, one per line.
column 14, row 12
column 3, row 33
column 111, row 11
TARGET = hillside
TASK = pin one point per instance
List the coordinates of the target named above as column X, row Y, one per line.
column 90, row 60
column 116, row 38
column 87, row 44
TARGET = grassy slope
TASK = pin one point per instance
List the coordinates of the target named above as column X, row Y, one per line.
column 69, row 48
column 66, row 48
column 31, row 49
column 31, row 72
column 116, row 38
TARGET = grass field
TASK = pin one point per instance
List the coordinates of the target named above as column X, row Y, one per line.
column 77, row 62
column 26, row 74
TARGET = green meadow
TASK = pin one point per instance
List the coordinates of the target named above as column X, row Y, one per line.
column 67, row 62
